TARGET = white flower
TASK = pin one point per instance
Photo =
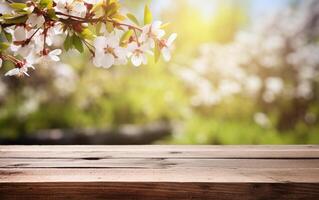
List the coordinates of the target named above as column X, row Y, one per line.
column 71, row 7
column 20, row 46
column 138, row 53
column 54, row 55
column 36, row 20
column 274, row 85
column 22, row 50
column 50, row 56
column 21, row 70
column 262, row 119
column 0, row 62
column 5, row 7
column 166, row 47
column 108, row 52
column 151, row 32
column 39, row 39
column 91, row 1
column 20, row 33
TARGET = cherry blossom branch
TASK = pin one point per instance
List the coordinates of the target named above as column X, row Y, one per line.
column 41, row 18
column 96, row 20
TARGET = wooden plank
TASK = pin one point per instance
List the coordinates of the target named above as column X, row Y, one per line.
column 159, row 172
column 150, row 163
column 191, row 175
column 158, row 147
column 310, row 151
column 159, row 191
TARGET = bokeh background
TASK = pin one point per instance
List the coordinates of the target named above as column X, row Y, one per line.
column 242, row 72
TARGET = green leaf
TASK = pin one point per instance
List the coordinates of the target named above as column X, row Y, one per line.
column 118, row 17
column 112, row 9
column 6, row 36
column 98, row 28
column 46, row 4
column 52, row 15
column 126, row 36
column 157, row 52
column 133, row 18
column 87, row 34
column 18, row 6
column 4, row 46
column 68, row 43
column 148, row 18
column 109, row 27
column 77, row 43
column 15, row 19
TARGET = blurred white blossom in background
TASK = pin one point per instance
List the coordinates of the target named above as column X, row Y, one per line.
column 276, row 60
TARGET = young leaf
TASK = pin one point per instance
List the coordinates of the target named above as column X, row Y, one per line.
column 118, row 17
column 126, row 36
column 18, row 6
column 4, row 46
column 77, row 43
column 68, row 43
column 87, row 34
column 109, row 27
column 157, row 52
column 148, row 18
column 111, row 9
column 5, row 36
column 15, row 19
column 52, row 15
column 133, row 18
column 46, row 4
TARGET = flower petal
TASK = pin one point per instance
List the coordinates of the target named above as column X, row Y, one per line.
column 136, row 60
column 100, row 42
column 171, row 39
column 13, row 72
column 20, row 33
column 55, row 52
column 54, row 58
column 107, row 60
column 144, row 58
column 166, row 54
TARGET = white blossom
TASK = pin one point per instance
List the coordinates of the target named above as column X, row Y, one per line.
column 21, row 45
column 5, row 7
column 138, row 53
column 22, row 70
column 151, row 32
column 51, row 56
column 262, row 119
column 71, row 7
column 91, row 1
column 35, row 20
column 20, row 33
column 108, row 52
column 166, row 49
column 54, row 55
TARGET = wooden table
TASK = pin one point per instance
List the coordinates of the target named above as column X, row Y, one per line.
column 159, row 172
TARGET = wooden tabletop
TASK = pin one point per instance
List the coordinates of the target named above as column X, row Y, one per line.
column 159, row 172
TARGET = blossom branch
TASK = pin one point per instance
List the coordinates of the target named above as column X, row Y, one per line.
column 31, row 28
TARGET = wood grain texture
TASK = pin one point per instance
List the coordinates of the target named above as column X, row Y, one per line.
column 159, row 172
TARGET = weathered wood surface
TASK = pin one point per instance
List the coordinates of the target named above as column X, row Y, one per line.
column 159, row 172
